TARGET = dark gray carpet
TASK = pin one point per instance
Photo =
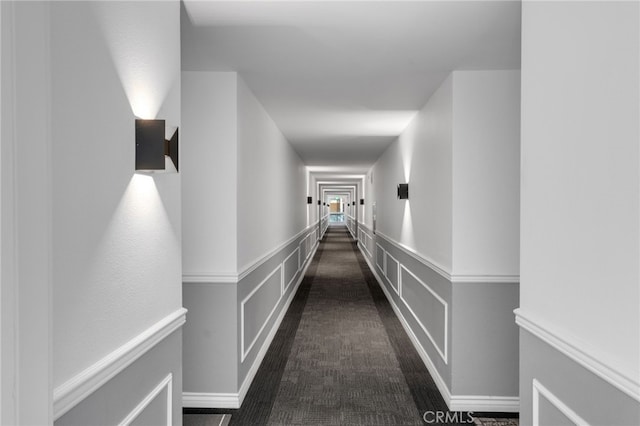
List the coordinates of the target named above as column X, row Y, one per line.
column 342, row 368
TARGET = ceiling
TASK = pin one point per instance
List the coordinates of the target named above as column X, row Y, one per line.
column 342, row 79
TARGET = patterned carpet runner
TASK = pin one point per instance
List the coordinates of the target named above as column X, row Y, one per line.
column 342, row 369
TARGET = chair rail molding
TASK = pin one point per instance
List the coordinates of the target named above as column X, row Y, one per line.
column 73, row 391
column 589, row 358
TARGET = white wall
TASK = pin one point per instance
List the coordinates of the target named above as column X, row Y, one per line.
column 422, row 157
column 116, row 261
column 460, row 156
column 209, row 169
column 580, row 208
column 271, row 183
column 26, row 215
column 486, row 170
column 244, row 196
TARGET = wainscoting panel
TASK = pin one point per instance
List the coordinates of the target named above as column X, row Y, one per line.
column 380, row 259
column 303, row 247
column 291, row 267
column 257, row 309
column 232, row 323
column 423, row 297
column 548, row 409
column 429, row 309
column 145, row 392
column 393, row 272
column 549, row 378
column 155, row 409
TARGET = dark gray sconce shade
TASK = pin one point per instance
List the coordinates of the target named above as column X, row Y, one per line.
column 152, row 147
column 354, row 203
column 309, row 200
column 403, row 191
column 149, row 144
column 319, row 202
column 362, row 201
column 171, row 149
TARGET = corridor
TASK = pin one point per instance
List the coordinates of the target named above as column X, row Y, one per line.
column 340, row 356
column 177, row 177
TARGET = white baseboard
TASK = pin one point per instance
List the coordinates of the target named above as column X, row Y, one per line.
column 210, row 400
column 478, row 403
column 234, row 400
column 481, row 403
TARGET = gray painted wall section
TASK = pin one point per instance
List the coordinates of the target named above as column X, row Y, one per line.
column 228, row 324
column 566, row 385
column 210, row 338
column 422, row 297
column 270, row 302
column 467, row 330
column 485, row 339
column 128, row 389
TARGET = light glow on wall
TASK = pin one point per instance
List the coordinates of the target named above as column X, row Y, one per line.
column 138, row 241
column 142, row 68
column 407, row 236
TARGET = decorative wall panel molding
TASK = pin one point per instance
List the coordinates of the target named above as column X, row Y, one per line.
column 245, row 349
column 589, row 359
column 73, row 391
column 540, row 390
column 167, row 384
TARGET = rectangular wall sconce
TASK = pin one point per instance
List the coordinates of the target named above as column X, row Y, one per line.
column 354, row 203
column 362, row 201
column 403, row 191
column 319, row 202
column 309, row 200
column 152, row 147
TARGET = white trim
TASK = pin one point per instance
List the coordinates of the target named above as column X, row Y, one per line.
column 539, row 389
column 252, row 266
column 302, row 243
column 230, row 277
column 210, row 400
column 432, row 264
column 166, row 383
column 589, row 358
column 472, row 279
column 234, row 400
column 482, row 403
column 363, row 242
column 310, row 250
column 73, row 391
column 444, row 272
column 210, row 279
column 284, row 269
column 384, row 252
column 266, row 321
column 397, row 290
column 441, row 352
column 479, row 403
